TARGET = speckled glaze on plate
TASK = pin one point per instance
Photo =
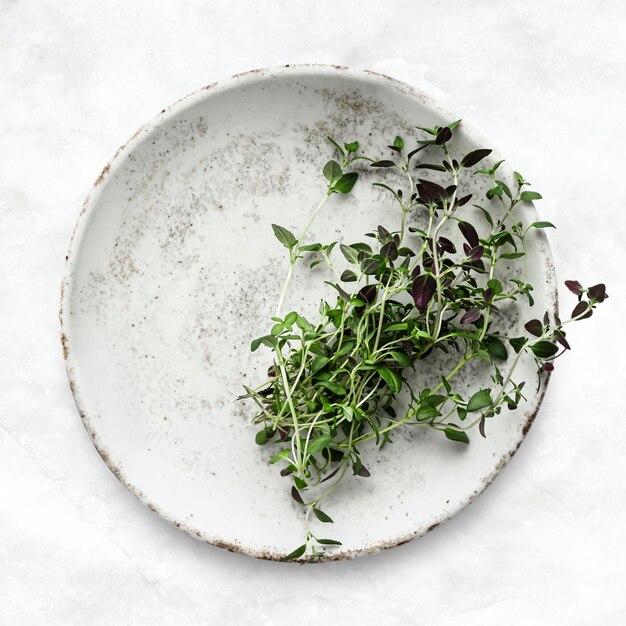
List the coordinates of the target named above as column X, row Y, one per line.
column 173, row 269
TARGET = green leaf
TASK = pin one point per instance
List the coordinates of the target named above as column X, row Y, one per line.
column 544, row 349
column 286, row 237
column 267, row 340
column 338, row 390
column 529, row 196
column 345, row 183
column 398, row 326
column 542, row 224
column 318, row 363
column 517, row 343
column 512, row 255
column 297, row 553
column 348, row 276
column 327, row 406
column 393, row 379
column 329, row 542
column 495, row 285
column 485, row 213
column 494, row 191
column 351, row 255
column 456, row 435
column 319, row 443
column 401, row 358
column 311, row 247
column 346, row 347
column 332, row 171
column 322, row 517
column 352, row 147
column 348, row 412
column 339, row 148
column 283, row 454
column 291, row 318
column 387, row 187
column 496, row 348
column 398, row 142
column 261, row 437
column 479, row 400
column 426, row 413
column 432, row 400
column 505, row 188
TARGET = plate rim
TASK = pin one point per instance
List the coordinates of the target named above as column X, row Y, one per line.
column 74, row 247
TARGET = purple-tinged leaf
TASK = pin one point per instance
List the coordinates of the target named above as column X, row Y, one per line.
column 463, row 200
column 368, row 294
column 444, row 135
column 597, row 292
column 548, row 367
column 580, row 308
column 488, row 294
column 560, row 338
column 478, row 266
column 414, row 152
column 423, row 288
column 475, row 253
column 363, row 472
column 383, row 233
column 445, row 245
column 429, row 191
column 471, row 316
column 295, row 494
column 383, row 163
column 469, row 232
column 416, row 272
column 341, row 292
column 574, row 286
column 534, row 327
column 331, row 474
column 474, row 157
column 481, row 427
column 430, row 166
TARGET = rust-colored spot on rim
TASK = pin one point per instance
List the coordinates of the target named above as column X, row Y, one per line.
column 103, row 174
column 66, row 350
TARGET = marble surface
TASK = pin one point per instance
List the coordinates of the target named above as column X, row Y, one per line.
column 545, row 81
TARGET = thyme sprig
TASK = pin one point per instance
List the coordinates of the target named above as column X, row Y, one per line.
column 334, row 384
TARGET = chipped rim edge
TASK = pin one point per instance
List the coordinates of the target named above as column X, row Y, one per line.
column 76, row 238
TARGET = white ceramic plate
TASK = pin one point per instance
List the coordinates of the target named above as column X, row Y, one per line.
column 173, row 269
